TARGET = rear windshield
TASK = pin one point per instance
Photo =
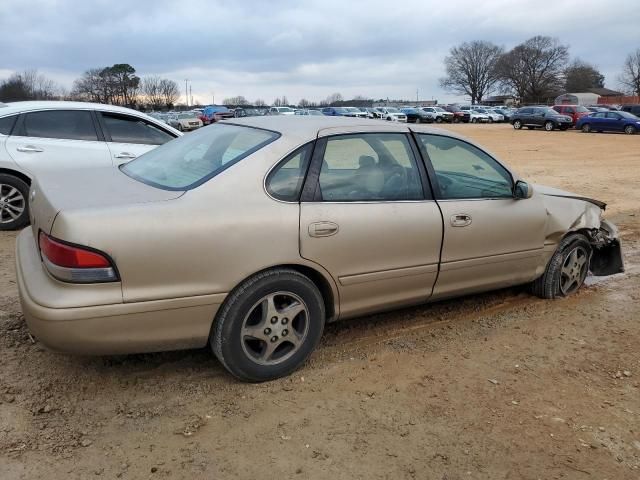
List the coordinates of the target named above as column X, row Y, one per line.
column 191, row 160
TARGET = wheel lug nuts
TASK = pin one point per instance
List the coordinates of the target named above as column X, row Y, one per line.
column 285, row 333
column 267, row 331
column 274, row 319
column 274, row 338
column 285, row 321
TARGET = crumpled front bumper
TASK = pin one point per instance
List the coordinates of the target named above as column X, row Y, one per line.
column 607, row 252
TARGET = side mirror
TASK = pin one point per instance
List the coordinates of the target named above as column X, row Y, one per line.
column 522, row 190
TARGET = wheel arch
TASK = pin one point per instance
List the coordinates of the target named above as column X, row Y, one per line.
column 322, row 281
column 8, row 171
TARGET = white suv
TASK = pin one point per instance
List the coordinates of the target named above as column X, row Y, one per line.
column 40, row 136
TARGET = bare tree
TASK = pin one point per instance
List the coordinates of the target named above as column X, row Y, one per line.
column 630, row 76
column 239, row 100
column 169, row 91
column 304, row 103
column 29, row 85
column 333, row 98
column 471, row 69
column 152, row 92
column 534, row 70
column 581, row 76
column 260, row 103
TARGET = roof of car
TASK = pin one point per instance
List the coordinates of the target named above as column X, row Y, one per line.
column 18, row 107
column 309, row 126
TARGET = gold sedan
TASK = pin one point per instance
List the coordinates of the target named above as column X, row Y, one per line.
column 249, row 235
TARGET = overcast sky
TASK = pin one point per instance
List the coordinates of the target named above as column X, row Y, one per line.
column 299, row 48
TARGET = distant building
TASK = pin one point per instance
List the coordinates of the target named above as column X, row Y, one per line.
column 507, row 100
column 592, row 96
column 404, row 103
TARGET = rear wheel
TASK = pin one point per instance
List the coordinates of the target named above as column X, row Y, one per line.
column 14, row 209
column 629, row 129
column 269, row 325
column 517, row 124
column 566, row 270
column 548, row 126
column 586, row 128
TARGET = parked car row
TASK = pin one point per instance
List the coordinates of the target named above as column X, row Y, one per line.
column 564, row 117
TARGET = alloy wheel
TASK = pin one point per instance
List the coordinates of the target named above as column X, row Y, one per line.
column 574, row 270
column 275, row 328
column 629, row 130
column 12, row 203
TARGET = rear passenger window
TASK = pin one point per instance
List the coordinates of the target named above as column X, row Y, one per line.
column 125, row 129
column 369, row 167
column 285, row 181
column 63, row 124
column 6, row 124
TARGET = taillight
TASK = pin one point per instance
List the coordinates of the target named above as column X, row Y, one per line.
column 72, row 263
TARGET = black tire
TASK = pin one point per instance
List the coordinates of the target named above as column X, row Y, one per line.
column 549, row 126
column 586, row 128
column 490, row 120
column 456, row 120
column 549, row 284
column 180, row 127
column 228, row 343
column 630, row 130
column 10, row 200
column 517, row 124
column 438, row 119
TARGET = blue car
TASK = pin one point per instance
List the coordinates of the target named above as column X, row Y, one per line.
column 336, row 112
column 609, row 122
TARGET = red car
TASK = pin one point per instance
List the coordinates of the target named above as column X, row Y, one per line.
column 574, row 111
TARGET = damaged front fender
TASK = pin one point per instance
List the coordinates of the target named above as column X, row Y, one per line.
column 567, row 213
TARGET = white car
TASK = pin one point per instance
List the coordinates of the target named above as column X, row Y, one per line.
column 355, row 112
column 440, row 114
column 478, row 117
column 45, row 135
column 281, row 111
column 392, row 114
column 493, row 116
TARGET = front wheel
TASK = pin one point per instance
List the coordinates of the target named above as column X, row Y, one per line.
column 269, row 325
column 548, row 126
column 586, row 128
column 629, row 129
column 517, row 124
column 566, row 270
column 438, row 119
column 14, row 209
column 180, row 128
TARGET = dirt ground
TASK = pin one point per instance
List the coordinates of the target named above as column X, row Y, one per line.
column 494, row 386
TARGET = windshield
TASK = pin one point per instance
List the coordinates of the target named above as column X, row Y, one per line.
column 186, row 115
column 285, row 109
column 550, row 111
column 191, row 160
column 392, row 110
column 438, row 109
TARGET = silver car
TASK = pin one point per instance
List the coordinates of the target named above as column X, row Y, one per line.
column 250, row 234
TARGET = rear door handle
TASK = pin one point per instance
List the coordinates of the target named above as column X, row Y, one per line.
column 29, row 149
column 460, row 220
column 323, row 229
column 125, row 155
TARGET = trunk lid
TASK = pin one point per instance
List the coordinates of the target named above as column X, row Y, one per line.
column 54, row 191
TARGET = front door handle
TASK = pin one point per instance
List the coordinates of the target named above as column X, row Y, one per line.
column 460, row 220
column 323, row 229
column 29, row 149
column 125, row 155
